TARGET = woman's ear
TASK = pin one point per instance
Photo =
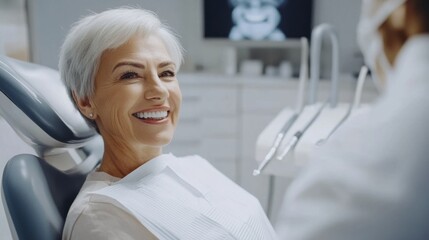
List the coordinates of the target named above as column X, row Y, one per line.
column 85, row 106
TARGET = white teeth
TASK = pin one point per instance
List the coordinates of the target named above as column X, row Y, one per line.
column 152, row 115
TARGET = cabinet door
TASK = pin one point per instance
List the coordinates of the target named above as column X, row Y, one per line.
column 259, row 186
column 189, row 129
column 219, row 127
column 209, row 125
column 191, row 103
column 267, row 100
column 184, row 148
column 219, row 101
column 221, row 153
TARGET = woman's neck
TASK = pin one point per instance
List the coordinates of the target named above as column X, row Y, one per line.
column 120, row 159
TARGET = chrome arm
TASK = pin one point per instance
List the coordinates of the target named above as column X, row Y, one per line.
column 358, row 93
column 316, row 47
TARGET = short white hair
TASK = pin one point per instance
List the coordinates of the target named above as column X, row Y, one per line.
column 92, row 35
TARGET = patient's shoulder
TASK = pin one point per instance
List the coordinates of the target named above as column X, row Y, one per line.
column 89, row 218
column 94, row 181
column 101, row 220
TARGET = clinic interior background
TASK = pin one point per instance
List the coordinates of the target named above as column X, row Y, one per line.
column 37, row 33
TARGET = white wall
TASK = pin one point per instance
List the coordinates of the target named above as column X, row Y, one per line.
column 51, row 19
column 344, row 16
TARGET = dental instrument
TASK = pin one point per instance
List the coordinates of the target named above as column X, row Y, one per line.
column 294, row 140
column 316, row 46
column 300, row 105
column 275, row 146
column 336, row 111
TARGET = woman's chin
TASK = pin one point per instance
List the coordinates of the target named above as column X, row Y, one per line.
column 157, row 140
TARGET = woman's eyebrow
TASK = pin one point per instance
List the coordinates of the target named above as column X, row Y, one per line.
column 165, row 64
column 134, row 64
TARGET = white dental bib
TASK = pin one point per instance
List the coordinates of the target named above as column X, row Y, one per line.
column 187, row 198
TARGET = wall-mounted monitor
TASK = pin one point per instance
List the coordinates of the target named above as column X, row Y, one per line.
column 257, row 20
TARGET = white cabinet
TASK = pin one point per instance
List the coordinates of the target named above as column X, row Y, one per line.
column 208, row 123
column 222, row 117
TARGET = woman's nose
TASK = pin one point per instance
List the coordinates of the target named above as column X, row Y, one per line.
column 155, row 89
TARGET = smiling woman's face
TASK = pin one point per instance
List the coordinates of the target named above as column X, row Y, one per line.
column 137, row 96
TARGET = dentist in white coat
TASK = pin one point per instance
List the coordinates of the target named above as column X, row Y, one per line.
column 371, row 180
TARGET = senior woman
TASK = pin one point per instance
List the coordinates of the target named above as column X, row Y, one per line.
column 120, row 67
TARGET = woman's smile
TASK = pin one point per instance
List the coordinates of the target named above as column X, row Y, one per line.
column 154, row 116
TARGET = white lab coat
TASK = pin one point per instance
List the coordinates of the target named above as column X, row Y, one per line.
column 371, row 181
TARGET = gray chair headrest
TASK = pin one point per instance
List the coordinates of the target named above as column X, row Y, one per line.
column 35, row 102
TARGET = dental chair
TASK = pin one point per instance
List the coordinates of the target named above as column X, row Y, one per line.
column 37, row 191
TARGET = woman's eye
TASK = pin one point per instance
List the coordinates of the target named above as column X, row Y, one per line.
column 167, row 74
column 129, row 75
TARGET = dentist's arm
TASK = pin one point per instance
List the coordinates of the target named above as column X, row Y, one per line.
column 366, row 184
